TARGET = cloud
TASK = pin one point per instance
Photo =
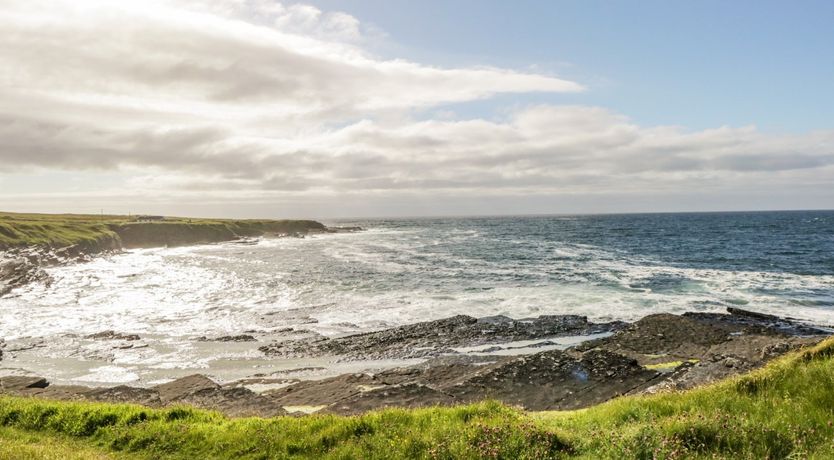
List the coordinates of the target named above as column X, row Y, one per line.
column 258, row 98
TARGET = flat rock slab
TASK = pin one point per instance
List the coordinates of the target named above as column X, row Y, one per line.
column 233, row 401
column 14, row 383
column 125, row 394
column 761, row 323
column 112, row 335
column 663, row 337
column 408, row 395
column 658, row 352
column 184, row 387
column 434, row 338
column 555, row 380
column 323, row 392
column 544, row 381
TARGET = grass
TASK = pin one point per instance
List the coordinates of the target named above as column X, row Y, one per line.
column 18, row 444
column 57, row 230
column 61, row 230
column 784, row 410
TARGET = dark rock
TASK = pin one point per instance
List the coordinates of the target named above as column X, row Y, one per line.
column 112, row 335
column 555, row 380
column 434, row 338
column 298, row 369
column 761, row 323
column 15, row 383
column 60, row 392
column 17, row 270
column 322, row 392
column 233, row 401
column 196, row 390
column 229, row 338
column 408, row 395
column 125, row 394
column 185, row 386
column 661, row 338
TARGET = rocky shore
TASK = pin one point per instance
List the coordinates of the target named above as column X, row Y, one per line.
column 21, row 266
column 465, row 359
column 24, row 264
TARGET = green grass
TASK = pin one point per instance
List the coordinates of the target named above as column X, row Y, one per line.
column 57, row 230
column 61, row 230
column 17, row 445
column 782, row 411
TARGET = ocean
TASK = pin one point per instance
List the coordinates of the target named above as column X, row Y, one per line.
column 400, row 271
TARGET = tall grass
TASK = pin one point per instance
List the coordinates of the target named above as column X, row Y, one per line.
column 782, row 411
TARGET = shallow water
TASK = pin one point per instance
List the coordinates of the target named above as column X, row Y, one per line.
column 408, row 270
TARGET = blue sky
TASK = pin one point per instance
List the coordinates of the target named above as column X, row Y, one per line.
column 699, row 64
column 350, row 108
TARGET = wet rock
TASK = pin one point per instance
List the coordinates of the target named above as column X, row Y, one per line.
column 200, row 391
column 434, row 338
column 233, row 401
column 229, row 338
column 691, row 349
column 25, row 346
column 112, row 335
column 544, row 381
column 59, row 392
column 260, row 380
column 17, row 270
column 759, row 323
column 124, row 394
column 16, row 383
column 322, row 392
column 185, row 386
column 713, row 345
column 298, row 370
column 555, row 380
column 408, row 395
column 661, row 338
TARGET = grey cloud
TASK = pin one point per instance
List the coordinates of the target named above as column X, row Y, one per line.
column 217, row 103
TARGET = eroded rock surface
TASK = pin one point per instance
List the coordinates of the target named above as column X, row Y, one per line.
column 656, row 353
column 195, row 390
column 16, row 271
column 434, row 338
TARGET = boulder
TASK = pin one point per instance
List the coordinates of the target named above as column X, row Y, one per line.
column 16, row 383
column 185, row 386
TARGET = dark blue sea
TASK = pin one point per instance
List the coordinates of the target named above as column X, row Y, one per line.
column 402, row 271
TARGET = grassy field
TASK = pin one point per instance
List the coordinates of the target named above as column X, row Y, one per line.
column 782, row 411
column 61, row 230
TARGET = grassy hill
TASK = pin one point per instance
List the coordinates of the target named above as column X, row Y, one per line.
column 784, row 410
column 61, row 230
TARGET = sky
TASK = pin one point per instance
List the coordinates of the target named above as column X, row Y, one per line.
column 362, row 108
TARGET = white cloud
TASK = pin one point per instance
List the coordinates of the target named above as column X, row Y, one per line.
column 258, row 99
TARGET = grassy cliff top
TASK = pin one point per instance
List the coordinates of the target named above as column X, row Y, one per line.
column 61, row 230
column 784, row 410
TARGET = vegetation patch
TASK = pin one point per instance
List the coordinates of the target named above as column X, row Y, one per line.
column 669, row 366
column 784, row 410
column 93, row 231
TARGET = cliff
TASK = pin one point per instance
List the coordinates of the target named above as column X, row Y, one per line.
column 89, row 234
column 183, row 233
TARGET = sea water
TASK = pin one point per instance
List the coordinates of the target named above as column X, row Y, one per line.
column 400, row 271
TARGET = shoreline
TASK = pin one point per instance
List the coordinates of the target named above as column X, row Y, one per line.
column 456, row 361
column 30, row 242
column 548, row 362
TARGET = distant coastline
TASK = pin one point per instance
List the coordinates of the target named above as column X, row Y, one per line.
column 29, row 242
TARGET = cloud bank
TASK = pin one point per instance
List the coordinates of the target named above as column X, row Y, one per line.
column 257, row 99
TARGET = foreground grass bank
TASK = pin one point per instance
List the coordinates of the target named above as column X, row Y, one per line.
column 108, row 231
column 782, row 411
